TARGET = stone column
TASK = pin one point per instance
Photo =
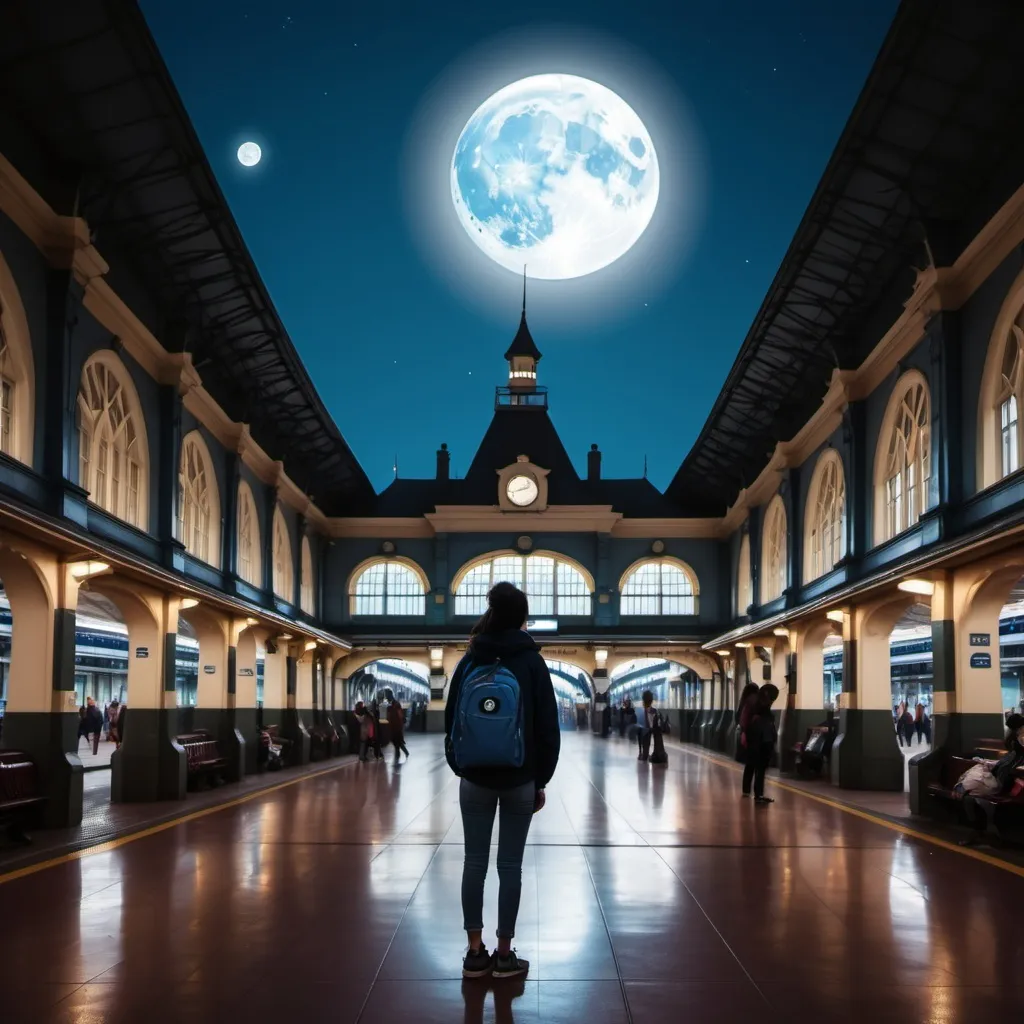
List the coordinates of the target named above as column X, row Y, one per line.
column 149, row 764
column 242, row 692
column 866, row 754
column 293, row 728
column 805, row 675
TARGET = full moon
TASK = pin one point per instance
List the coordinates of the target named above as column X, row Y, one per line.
column 249, row 154
column 555, row 172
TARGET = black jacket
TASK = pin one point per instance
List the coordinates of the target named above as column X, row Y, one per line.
column 519, row 652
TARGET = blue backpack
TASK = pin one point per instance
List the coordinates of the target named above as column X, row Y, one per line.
column 488, row 727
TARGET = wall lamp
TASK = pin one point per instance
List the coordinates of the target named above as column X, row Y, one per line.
column 724, row 654
column 780, row 631
column 437, row 654
column 836, row 615
column 925, row 587
column 310, row 645
column 82, row 570
column 743, row 645
column 601, row 657
column 252, row 622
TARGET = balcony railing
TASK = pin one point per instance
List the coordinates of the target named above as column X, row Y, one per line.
column 520, row 398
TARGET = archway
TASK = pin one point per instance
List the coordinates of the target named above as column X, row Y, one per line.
column 408, row 681
column 574, row 692
column 1011, row 651
column 910, row 676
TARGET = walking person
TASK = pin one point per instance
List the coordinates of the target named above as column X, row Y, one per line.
column 919, row 722
column 396, row 723
column 92, row 724
column 761, row 737
column 366, row 730
column 502, row 740
column 375, row 736
column 648, row 717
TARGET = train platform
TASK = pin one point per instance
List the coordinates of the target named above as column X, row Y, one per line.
column 649, row 895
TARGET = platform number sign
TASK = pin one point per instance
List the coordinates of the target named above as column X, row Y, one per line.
column 981, row 639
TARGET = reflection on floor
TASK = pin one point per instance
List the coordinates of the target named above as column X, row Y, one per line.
column 649, row 895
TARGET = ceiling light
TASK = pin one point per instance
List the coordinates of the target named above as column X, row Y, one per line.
column 780, row 631
column 744, row 645
column 925, row 587
column 836, row 615
column 285, row 636
column 252, row 622
column 311, row 645
column 436, row 653
column 188, row 602
column 724, row 654
column 82, row 569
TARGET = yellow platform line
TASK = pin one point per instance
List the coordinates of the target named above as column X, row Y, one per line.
column 152, row 830
column 893, row 826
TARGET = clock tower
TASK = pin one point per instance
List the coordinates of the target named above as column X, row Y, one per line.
column 522, row 357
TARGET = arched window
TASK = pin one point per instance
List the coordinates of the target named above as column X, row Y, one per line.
column 744, row 581
column 826, row 516
column 113, row 460
column 17, row 376
column 307, row 600
column 250, row 561
column 1011, row 394
column 773, row 551
column 553, row 585
column 658, row 586
column 198, row 501
column 284, row 572
column 395, row 586
column 902, row 460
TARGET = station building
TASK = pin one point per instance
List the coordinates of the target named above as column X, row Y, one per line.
column 166, row 462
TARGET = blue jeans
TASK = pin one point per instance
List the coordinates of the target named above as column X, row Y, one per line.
column 478, row 806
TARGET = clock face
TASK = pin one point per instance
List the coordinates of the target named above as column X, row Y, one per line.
column 522, row 490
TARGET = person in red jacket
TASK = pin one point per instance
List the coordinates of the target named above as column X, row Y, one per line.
column 396, row 724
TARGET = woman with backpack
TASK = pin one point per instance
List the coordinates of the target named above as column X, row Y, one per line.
column 502, row 740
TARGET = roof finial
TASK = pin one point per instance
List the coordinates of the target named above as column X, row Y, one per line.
column 524, row 291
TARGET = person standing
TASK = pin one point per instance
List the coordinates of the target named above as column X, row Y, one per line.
column 744, row 712
column 761, row 736
column 649, row 715
column 502, row 740
column 362, row 714
column 375, row 736
column 396, row 723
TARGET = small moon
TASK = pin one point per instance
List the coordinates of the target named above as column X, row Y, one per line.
column 249, row 154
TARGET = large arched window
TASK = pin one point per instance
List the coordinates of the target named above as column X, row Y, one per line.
column 553, row 585
column 773, row 551
column 658, row 586
column 902, row 459
column 17, row 375
column 744, row 580
column 1008, row 401
column 393, row 586
column 826, row 516
column 113, row 460
column 250, row 560
column 198, row 501
column 307, row 599
column 284, row 571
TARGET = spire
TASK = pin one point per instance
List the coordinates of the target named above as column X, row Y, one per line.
column 523, row 343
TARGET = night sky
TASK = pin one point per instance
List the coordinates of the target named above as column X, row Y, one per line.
column 403, row 360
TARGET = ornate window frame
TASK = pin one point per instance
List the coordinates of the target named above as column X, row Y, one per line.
column 774, row 551
column 249, row 557
column 687, row 598
column 113, row 452
column 366, row 587
column 198, row 500
column 283, row 574
column 307, row 582
column 17, row 373
column 825, row 516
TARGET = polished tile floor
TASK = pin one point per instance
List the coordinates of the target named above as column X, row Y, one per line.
column 649, row 895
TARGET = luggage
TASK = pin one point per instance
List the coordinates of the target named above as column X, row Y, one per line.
column 488, row 727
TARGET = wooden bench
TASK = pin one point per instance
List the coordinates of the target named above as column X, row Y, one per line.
column 1004, row 814
column 203, row 757
column 19, row 792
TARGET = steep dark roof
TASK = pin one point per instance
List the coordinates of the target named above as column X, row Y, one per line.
column 87, row 80
column 530, row 432
column 523, row 343
column 933, row 140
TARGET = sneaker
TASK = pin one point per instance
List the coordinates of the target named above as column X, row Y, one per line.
column 763, row 800
column 477, row 963
column 510, row 966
